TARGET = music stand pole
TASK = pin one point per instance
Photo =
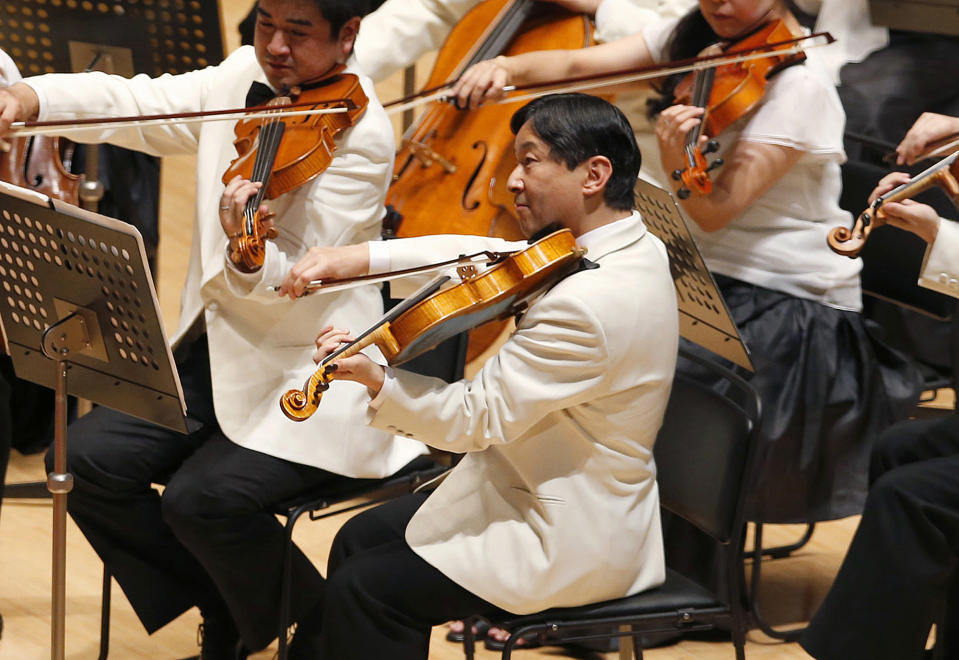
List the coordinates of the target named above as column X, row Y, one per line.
column 60, row 341
column 78, row 299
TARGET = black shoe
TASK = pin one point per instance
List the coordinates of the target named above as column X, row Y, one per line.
column 305, row 644
column 219, row 640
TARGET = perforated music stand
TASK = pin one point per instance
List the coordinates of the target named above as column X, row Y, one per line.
column 141, row 36
column 703, row 316
column 124, row 37
column 80, row 315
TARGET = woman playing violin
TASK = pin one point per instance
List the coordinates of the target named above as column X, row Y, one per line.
column 826, row 385
column 212, row 540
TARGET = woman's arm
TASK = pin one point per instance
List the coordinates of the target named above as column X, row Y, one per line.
column 485, row 80
column 750, row 169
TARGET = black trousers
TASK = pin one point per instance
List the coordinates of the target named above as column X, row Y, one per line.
column 382, row 599
column 211, row 540
column 899, row 574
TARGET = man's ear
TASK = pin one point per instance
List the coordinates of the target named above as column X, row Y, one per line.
column 598, row 169
column 347, row 36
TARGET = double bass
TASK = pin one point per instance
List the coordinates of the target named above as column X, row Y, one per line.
column 452, row 167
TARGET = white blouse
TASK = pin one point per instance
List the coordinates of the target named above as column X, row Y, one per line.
column 779, row 242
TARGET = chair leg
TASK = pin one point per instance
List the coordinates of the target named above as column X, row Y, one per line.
column 782, row 551
column 285, row 586
column 105, row 615
column 791, row 635
column 637, row 647
column 469, row 641
column 625, row 643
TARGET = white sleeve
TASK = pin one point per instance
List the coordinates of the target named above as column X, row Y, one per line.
column 86, row 95
column 8, row 70
column 800, row 110
column 395, row 35
column 616, row 19
column 525, row 381
column 940, row 268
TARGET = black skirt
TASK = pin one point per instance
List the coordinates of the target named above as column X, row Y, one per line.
column 828, row 386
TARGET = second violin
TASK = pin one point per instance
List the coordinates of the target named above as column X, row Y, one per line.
column 283, row 153
column 728, row 92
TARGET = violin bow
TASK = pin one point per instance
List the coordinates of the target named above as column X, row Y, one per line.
column 583, row 83
column 24, row 128
column 334, row 285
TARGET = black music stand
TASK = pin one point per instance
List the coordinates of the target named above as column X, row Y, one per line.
column 124, row 37
column 703, row 316
column 80, row 315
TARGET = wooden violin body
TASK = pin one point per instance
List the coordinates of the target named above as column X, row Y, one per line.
column 452, row 167
column 850, row 242
column 36, row 163
column 728, row 92
column 418, row 325
column 285, row 153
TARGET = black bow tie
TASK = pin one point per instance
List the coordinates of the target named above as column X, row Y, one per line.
column 259, row 94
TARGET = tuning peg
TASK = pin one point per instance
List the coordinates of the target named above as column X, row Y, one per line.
column 711, row 147
column 677, row 175
column 683, row 193
column 713, row 165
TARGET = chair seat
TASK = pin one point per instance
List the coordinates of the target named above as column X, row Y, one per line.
column 422, row 468
column 676, row 593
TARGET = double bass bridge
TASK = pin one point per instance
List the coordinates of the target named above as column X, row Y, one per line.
column 427, row 156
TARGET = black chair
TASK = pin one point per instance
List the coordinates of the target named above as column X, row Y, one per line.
column 704, row 465
column 446, row 361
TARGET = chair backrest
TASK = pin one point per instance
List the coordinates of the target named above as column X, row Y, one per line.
column 704, row 451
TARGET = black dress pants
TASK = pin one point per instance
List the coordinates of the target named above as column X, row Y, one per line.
column 900, row 570
column 382, row 598
column 211, row 540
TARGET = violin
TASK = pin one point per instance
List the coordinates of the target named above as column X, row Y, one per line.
column 432, row 315
column 728, row 92
column 285, row 152
column 452, row 167
column 850, row 241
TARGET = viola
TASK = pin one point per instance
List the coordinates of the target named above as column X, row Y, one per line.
column 452, row 166
column 849, row 242
column 433, row 315
column 285, row 152
column 728, row 92
column 37, row 163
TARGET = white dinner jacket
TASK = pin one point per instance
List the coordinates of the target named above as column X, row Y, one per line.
column 400, row 31
column 555, row 503
column 940, row 268
column 261, row 345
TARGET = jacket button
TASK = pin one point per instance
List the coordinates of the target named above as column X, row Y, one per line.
column 943, row 278
column 213, row 306
column 953, row 283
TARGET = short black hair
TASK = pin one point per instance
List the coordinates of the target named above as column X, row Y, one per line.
column 579, row 126
column 338, row 12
